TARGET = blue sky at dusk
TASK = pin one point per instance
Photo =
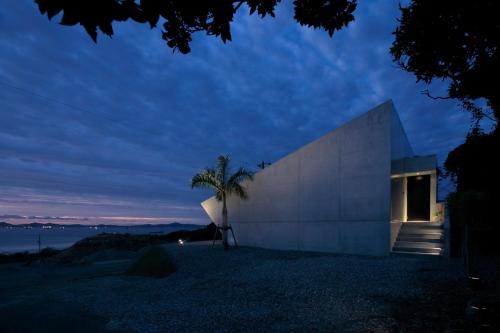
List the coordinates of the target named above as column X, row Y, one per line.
column 119, row 127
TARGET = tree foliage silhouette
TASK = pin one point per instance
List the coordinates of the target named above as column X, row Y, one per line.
column 474, row 165
column 457, row 41
column 182, row 18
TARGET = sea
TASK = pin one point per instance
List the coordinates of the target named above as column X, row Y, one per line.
column 20, row 239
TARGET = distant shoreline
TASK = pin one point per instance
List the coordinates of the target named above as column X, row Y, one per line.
column 35, row 236
column 100, row 225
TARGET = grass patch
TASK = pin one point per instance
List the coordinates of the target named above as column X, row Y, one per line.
column 153, row 262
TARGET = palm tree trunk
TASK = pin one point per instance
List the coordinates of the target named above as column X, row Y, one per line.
column 225, row 224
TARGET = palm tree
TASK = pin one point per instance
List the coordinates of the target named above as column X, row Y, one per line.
column 223, row 185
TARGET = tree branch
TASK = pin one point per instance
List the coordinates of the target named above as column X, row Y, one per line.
column 476, row 111
column 428, row 94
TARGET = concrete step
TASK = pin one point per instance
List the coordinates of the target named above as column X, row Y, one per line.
column 418, row 247
column 424, row 238
column 422, row 231
column 415, row 253
column 435, row 251
column 421, row 235
column 422, row 225
column 419, row 238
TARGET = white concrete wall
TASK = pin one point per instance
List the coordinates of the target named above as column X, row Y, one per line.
column 400, row 145
column 433, row 199
column 414, row 164
column 398, row 199
column 331, row 195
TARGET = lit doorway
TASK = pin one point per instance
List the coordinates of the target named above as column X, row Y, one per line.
column 413, row 197
column 418, row 199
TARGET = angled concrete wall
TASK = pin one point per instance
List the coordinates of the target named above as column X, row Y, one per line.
column 331, row 195
column 400, row 145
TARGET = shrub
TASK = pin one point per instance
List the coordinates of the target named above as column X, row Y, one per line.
column 154, row 262
column 477, row 210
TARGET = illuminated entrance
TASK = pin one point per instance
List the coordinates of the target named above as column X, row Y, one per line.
column 419, row 198
column 414, row 189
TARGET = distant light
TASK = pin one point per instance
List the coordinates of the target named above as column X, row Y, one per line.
column 180, row 242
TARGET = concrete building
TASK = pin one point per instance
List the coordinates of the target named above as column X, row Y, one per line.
column 349, row 191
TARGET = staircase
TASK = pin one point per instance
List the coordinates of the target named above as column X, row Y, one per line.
column 420, row 238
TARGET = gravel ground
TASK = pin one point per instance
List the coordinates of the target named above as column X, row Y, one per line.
column 256, row 290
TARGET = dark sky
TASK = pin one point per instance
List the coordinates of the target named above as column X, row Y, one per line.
column 118, row 128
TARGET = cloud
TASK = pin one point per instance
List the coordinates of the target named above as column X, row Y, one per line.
column 122, row 125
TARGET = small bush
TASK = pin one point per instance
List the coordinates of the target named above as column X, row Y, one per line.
column 477, row 210
column 154, row 262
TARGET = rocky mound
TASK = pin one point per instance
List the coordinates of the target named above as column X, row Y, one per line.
column 196, row 235
column 126, row 242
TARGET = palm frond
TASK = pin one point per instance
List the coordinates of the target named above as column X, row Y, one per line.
column 240, row 175
column 220, row 182
column 219, row 195
column 207, row 178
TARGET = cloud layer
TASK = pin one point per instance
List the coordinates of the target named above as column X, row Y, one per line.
column 119, row 127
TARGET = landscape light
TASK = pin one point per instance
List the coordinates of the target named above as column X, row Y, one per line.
column 180, row 242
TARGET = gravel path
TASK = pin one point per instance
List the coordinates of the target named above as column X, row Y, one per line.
column 257, row 290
